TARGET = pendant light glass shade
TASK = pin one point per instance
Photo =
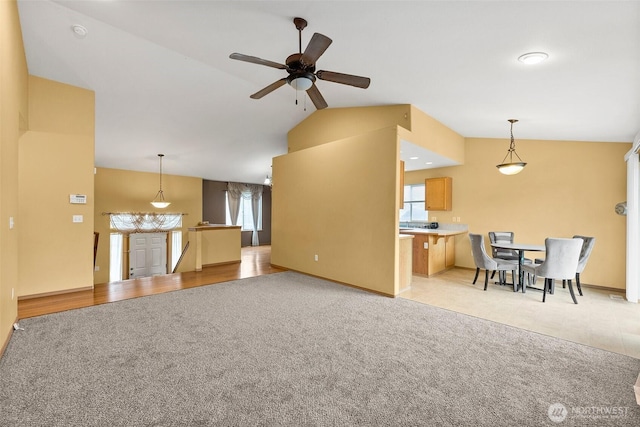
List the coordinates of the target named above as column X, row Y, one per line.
column 159, row 201
column 511, row 167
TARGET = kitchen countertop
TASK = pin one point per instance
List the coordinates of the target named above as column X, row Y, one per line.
column 436, row 231
column 405, row 235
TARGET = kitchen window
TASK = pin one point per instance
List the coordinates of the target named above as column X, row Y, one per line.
column 413, row 209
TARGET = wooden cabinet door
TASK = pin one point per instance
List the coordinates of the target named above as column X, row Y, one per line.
column 438, row 194
column 420, row 254
column 450, row 252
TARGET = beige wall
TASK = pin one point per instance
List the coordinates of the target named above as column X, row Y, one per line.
column 566, row 188
column 332, row 124
column 128, row 191
column 337, row 191
column 56, row 160
column 427, row 132
column 13, row 122
column 338, row 200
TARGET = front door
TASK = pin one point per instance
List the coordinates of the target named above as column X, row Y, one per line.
column 147, row 254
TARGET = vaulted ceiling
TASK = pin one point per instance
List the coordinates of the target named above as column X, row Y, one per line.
column 164, row 81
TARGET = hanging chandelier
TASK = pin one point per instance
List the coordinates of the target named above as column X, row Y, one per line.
column 159, row 201
column 511, row 167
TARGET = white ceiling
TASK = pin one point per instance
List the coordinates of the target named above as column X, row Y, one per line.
column 164, row 82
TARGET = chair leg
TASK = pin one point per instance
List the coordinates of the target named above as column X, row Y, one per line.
column 476, row 277
column 513, row 279
column 552, row 286
column 546, row 287
column 564, row 284
column 578, row 283
column 486, row 279
column 493, row 273
column 573, row 296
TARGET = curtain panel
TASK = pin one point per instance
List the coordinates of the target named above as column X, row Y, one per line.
column 237, row 191
column 144, row 222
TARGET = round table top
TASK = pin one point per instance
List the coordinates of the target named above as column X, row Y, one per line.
column 520, row 246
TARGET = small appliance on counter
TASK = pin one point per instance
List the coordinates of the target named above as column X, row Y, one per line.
column 433, row 225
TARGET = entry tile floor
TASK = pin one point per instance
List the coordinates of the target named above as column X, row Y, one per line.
column 602, row 319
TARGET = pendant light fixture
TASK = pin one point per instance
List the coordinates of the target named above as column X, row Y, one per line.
column 511, row 168
column 158, row 201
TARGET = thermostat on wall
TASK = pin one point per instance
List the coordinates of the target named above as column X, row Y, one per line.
column 78, row 199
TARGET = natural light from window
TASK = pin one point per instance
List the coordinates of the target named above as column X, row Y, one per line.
column 413, row 209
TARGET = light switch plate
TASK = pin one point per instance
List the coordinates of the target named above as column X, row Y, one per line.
column 78, row 218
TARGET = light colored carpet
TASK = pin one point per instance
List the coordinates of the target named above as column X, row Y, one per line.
column 288, row 349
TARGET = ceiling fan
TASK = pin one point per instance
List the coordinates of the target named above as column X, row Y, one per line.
column 301, row 67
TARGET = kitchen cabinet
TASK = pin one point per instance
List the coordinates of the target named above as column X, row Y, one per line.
column 438, row 194
column 420, row 253
column 432, row 252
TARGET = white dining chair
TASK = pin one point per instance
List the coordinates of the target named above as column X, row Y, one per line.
column 560, row 263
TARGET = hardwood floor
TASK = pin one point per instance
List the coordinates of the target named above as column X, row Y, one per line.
column 256, row 261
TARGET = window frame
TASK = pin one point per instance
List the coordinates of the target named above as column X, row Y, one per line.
column 415, row 205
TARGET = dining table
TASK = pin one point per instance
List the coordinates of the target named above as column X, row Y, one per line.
column 520, row 248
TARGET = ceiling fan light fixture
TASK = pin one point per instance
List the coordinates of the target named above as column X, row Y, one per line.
column 302, row 81
column 532, row 58
column 511, row 167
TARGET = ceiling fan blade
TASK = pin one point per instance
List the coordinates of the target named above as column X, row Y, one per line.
column 345, row 79
column 316, row 97
column 267, row 90
column 316, row 47
column 256, row 60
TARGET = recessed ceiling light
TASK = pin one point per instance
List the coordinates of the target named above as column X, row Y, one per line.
column 429, row 163
column 532, row 58
column 413, row 158
column 79, row 31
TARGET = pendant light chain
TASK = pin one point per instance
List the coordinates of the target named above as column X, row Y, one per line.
column 162, row 155
column 512, row 147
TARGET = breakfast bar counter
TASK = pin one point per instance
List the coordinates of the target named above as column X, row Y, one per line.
column 215, row 244
column 433, row 249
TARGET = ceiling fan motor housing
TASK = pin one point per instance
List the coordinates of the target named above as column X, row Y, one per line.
column 299, row 70
column 294, row 63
